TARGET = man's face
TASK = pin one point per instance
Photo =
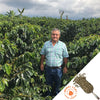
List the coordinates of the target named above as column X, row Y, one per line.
column 55, row 35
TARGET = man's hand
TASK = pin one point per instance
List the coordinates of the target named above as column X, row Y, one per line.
column 42, row 60
column 65, row 70
column 65, row 67
column 42, row 67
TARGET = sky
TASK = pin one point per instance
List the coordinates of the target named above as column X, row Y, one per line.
column 74, row 9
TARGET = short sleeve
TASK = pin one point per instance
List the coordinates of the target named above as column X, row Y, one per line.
column 43, row 50
column 65, row 52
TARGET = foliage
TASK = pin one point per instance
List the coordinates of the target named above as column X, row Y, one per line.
column 21, row 12
column 20, row 43
column 11, row 13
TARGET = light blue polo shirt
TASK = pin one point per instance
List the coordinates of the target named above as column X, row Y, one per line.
column 54, row 54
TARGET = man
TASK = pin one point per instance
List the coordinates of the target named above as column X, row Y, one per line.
column 56, row 54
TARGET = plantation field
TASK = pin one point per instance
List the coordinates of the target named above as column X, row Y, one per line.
column 21, row 39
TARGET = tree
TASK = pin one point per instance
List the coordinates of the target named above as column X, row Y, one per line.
column 21, row 12
column 66, row 17
column 61, row 12
column 10, row 13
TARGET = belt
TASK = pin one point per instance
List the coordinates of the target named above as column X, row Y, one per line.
column 54, row 67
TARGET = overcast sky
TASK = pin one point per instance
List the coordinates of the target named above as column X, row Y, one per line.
column 74, row 9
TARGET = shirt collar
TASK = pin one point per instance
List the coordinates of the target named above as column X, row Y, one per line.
column 56, row 42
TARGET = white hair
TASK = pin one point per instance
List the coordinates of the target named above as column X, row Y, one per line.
column 56, row 29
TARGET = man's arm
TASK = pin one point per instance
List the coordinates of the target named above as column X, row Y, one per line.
column 42, row 65
column 65, row 65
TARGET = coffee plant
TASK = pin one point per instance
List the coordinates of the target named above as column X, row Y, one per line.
column 21, row 40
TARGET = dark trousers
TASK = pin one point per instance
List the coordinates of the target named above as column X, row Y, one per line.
column 53, row 79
